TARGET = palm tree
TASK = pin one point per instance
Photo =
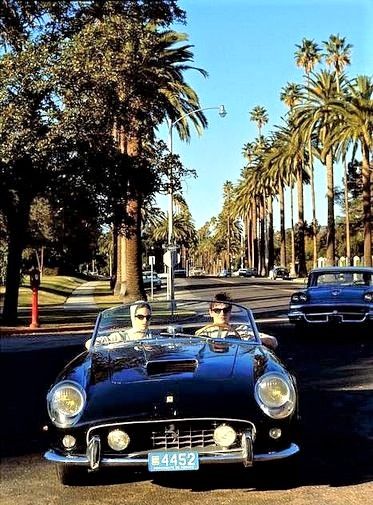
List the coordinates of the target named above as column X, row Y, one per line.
column 316, row 118
column 291, row 95
column 260, row 117
column 337, row 55
column 355, row 120
column 159, row 90
column 307, row 57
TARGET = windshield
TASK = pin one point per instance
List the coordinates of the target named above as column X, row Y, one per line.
column 351, row 278
column 165, row 319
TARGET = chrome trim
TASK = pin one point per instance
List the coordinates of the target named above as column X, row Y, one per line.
column 134, row 460
column 247, row 449
column 172, row 420
column 297, row 315
column 94, row 452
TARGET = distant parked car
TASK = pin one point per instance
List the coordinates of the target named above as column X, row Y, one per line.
column 196, row 272
column 224, row 273
column 279, row 273
column 163, row 277
column 146, row 279
column 335, row 295
column 246, row 272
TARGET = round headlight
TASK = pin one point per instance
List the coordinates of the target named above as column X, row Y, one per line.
column 65, row 402
column 368, row 297
column 299, row 298
column 275, row 395
column 224, row 435
column 118, row 440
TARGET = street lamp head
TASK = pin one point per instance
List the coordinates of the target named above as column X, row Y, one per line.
column 222, row 111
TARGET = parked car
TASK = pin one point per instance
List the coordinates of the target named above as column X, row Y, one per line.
column 224, row 273
column 172, row 400
column 196, row 272
column 246, row 272
column 163, row 277
column 334, row 295
column 279, row 273
column 147, row 279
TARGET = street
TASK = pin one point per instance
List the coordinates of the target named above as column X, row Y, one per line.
column 335, row 380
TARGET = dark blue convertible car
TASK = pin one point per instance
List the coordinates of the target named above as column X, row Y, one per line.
column 335, row 296
column 171, row 401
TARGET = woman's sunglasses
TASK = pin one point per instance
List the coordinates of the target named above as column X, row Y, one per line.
column 141, row 317
column 225, row 310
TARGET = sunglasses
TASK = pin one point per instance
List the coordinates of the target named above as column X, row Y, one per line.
column 225, row 310
column 141, row 317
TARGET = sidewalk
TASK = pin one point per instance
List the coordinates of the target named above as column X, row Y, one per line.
column 78, row 313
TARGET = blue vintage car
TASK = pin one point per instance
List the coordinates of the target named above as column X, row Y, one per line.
column 334, row 295
column 171, row 401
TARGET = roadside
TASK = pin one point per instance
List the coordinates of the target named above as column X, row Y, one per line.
column 77, row 313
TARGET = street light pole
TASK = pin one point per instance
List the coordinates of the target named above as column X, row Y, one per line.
column 171, row 247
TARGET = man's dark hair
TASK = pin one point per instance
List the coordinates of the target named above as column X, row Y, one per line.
column 220, row 297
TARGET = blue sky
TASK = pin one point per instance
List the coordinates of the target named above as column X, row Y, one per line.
column 247, row 47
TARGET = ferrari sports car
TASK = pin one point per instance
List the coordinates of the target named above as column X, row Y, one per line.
column 171, row 400
column 335, row 296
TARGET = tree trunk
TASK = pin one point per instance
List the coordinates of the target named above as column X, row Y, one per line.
column 255, row 236
column 330, row 237
column 314, row 226
column 282, row 227
column 17, row 226
column 129, row 279
column 347, row 214
column 271, row 248
column 262, row 237
column 292, row 269
column 302, row 270
column 367, row 176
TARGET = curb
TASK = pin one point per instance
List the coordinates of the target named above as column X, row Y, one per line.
column 25, row 330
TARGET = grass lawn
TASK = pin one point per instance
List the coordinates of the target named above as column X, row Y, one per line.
column 53, row 290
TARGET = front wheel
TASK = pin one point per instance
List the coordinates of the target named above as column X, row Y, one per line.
column 70, row 475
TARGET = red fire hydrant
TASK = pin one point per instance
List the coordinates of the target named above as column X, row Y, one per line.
column 34, row 284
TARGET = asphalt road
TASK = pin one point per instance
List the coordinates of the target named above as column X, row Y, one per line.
column 335, row 377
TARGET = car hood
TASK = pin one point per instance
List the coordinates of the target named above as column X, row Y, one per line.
column 336, row 294
column 175, row 378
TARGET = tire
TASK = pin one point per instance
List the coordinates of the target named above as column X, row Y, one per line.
column 70, row 475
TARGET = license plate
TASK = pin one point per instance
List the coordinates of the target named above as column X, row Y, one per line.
column 172, row 461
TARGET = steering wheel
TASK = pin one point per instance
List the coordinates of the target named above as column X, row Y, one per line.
column 211, row 328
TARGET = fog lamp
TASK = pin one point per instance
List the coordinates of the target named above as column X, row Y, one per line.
column 275, row 433
column 224, row 435
column 68, row 441
column 118, row 440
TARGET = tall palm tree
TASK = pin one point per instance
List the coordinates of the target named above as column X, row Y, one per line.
column 338, row 55
column 355, row 121
column 316, row 118
column 259, row 115
column 291, row 95
column 158, row 90
column 307, row 57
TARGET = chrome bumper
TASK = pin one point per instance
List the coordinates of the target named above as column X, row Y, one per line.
column 330, row 316
column 243, row 455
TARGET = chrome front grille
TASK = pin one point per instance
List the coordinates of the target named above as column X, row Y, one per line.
column 175, row 438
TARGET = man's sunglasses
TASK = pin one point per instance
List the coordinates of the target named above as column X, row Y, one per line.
column 141, row 317
column 225, row 310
